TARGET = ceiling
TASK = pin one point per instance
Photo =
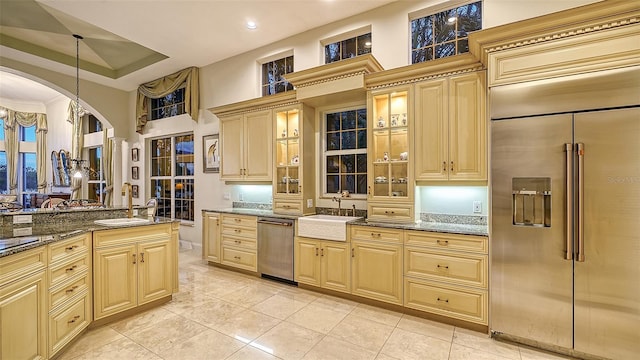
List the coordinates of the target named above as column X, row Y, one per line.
column 129, row 42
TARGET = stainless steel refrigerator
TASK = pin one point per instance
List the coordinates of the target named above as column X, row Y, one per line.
column 565, row 228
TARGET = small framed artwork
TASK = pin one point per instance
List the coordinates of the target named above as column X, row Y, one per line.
column 135, row 154
column 211, row 153
column 134, row 173
column 134, row 191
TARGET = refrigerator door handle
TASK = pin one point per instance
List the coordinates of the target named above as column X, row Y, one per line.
column 580, row 209
column 568, row 149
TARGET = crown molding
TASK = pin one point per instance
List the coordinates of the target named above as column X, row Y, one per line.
column 258, row 104
column 359, row 65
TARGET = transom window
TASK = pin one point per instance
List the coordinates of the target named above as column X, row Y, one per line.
column 172, row 176
column 273, row 81
column 168, row 106
column 94, row 125
column 348, row 48
column 445, row 33
column 345, row 152
column 96, row 181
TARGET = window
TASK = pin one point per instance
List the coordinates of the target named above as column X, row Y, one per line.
column 172, row 176
column 4, row 184
column 96, row 182
column 273, row 81
column 445, row 33
column 348, row 48
column 94, row 124
column 28, row 174
column 168, row 106
column 345, row 152
column 2, row 130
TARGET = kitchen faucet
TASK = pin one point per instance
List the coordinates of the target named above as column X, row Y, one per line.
column 126, row 186
column 338, row 200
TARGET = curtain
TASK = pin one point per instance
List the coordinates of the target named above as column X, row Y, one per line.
column 107, row 168
column 77, row 142
column 164, row 86
column 11, row 140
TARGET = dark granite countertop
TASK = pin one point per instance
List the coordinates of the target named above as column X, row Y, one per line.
column 45, row 234
column 451, row 228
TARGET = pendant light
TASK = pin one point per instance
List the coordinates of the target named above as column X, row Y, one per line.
column 79, row 169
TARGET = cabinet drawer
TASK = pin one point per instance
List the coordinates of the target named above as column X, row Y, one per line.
column 242, row 259
column 239, row 220
column 64, row 292
column 464, row 269
column 67, row 322
column 376, row 234
column 471, row 243
column 238, row 242
column 396, row 213
column 130, row 235
column 69, row 247
column 455, row 302
column 287, row 206
column 239, row 232
column 14, row 266
column 67, row 269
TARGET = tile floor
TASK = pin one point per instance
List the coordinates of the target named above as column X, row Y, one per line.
column 220, row 314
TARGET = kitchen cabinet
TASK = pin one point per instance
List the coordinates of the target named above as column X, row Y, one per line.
column 246, row 147
column 70, row 289
column 23, row 305
column 390, row 150
column 452, row 130
column 294, row 165
column 323, row 263
column 238, row 241
column 211, row 236
column 132, row 267
column 447, row 274
column 377, row 263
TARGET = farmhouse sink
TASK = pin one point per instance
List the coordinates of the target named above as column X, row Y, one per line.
column 122, row 221
column 327, row 227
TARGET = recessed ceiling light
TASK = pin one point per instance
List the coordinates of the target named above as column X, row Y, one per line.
column 251, row 25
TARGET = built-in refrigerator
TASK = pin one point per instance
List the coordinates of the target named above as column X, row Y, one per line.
column 565, row 219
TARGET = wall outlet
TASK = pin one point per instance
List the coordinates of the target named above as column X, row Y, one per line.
column 227, row 196
column 477, row 207
column 241, row 197
column 22, row 219
column 135, row 212
column 309, row 203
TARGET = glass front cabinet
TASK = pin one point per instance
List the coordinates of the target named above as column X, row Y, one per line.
column 293, row 181
column 390, row 169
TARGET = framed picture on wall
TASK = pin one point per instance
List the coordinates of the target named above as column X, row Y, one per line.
column 135, row 154
column 134, row 173
column 134, row 191
column 211, row 153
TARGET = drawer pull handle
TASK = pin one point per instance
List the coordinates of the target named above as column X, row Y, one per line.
column 443, row 266
column 237, row 257
column 237, row 230
column 353, row 253
column 71, row 248
column 71, row 268
column 321, row 252
column 71, row 289
column 286, row 206
column 376, row 235
column 444, row 166
column 389, row 212
column 141, row 257
column 74, row 319
column 443, row 242
column 134, row 258
column 237, row 220
column 452, row 166
column 443, row 300
column 316, row 251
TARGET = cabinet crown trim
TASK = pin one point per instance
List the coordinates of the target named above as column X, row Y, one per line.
column 258, row 104
column 359, row 65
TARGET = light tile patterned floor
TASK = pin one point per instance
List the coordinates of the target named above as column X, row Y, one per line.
column 220, row 314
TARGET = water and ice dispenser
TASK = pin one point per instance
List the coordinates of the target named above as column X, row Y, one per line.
column 531, row 201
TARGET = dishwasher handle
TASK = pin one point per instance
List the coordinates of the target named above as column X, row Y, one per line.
column 273, row 222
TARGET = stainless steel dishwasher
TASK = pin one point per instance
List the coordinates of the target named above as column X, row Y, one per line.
column 275, row 248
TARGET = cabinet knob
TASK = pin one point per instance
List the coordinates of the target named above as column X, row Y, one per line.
column 444, row 166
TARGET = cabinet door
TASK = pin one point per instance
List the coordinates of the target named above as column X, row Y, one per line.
column 211, row 237
column 335, row 260
column 258, row 146
column 154, row 271
column 114, row 279
column 23, row 322
column 231, row 161
column 431, row 160
column 307, row 263
column 467, row 128
column 377, row 271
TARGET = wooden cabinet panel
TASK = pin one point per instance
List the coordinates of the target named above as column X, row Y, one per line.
column 240, row 258
column 23, row 318
column 211, row 237
column 154, row 271
column 374, row 233
column 469, row 243
column 238, row 221
column 464, row 269
column 24, row 263
column 64, row 270
column 231, row 145
column 287, row 206
column 335, row 261
column 390, row 212
column 132, row 234
column 69, row 247
column 68, row 322
column 432, row 150
column 238, row 232
column 307, row 266
column 115, row 280
column 377, row 271
column 63, row 293
column 258, row 146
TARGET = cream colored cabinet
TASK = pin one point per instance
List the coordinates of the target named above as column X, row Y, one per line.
column 247, row 147
column 238, row 241
column 323, row 263
column 447, row 274
column 70, row 289
column 23, row 305
column 376, row 268
column 390, row 152
column 132, row 267
column 294, row 149
column 452, row 132
column 211, row 236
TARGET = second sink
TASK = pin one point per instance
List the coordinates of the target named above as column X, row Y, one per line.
column 327, row 227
